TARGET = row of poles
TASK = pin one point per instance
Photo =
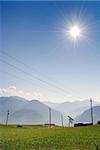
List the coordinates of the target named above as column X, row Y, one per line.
column 70, row 119
column 8, row 113
column 62, row 122
column 50, row 124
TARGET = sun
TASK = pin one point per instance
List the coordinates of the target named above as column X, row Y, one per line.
column 75, row 31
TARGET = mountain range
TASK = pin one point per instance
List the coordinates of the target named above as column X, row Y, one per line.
column 72, row 109
column 22, row 111
column 86, row 115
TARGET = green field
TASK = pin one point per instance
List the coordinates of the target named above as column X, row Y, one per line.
column 42, row 138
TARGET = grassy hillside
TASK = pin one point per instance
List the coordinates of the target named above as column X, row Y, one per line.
column 41, row 138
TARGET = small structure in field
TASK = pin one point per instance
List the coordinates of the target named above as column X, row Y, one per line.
column 82, row 124
column 98, row 122
column 19, row 126
column 50, row 125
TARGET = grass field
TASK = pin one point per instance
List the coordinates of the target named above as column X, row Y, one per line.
column 41, row 138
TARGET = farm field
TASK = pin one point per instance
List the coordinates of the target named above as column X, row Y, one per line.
column 42, row 138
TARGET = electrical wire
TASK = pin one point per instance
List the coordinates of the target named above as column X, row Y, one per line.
column 35, row 77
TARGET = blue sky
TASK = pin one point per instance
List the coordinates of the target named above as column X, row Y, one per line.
column 35, row 34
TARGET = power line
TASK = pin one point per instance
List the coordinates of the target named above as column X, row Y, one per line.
column 17, row 77
column 21, row 70
column 19, row 61
column 32, row 68
column 52, row 84
column 26, row 65
column 33, row 76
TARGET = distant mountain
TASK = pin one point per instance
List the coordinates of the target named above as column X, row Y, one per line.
column 51, row 104
column 23, row 111
column 86, row 115
column 72, row 108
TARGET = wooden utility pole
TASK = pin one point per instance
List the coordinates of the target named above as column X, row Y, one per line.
column 62, row 119
column 91, row 108
column 49, row 117
column 7, row 117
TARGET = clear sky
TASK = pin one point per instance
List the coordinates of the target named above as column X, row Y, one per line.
column 39, row 60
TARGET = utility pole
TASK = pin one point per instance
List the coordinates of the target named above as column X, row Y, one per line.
column 62, row 119
column 7, row 117
column 70, row 120
column 91, row 108
column 49, row 117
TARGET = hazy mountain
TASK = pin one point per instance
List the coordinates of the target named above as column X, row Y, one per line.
column 72, row 108
column 23, row 111
column 51, row 104
column 86, row 115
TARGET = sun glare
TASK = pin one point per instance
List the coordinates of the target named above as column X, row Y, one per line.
column 75, row 31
